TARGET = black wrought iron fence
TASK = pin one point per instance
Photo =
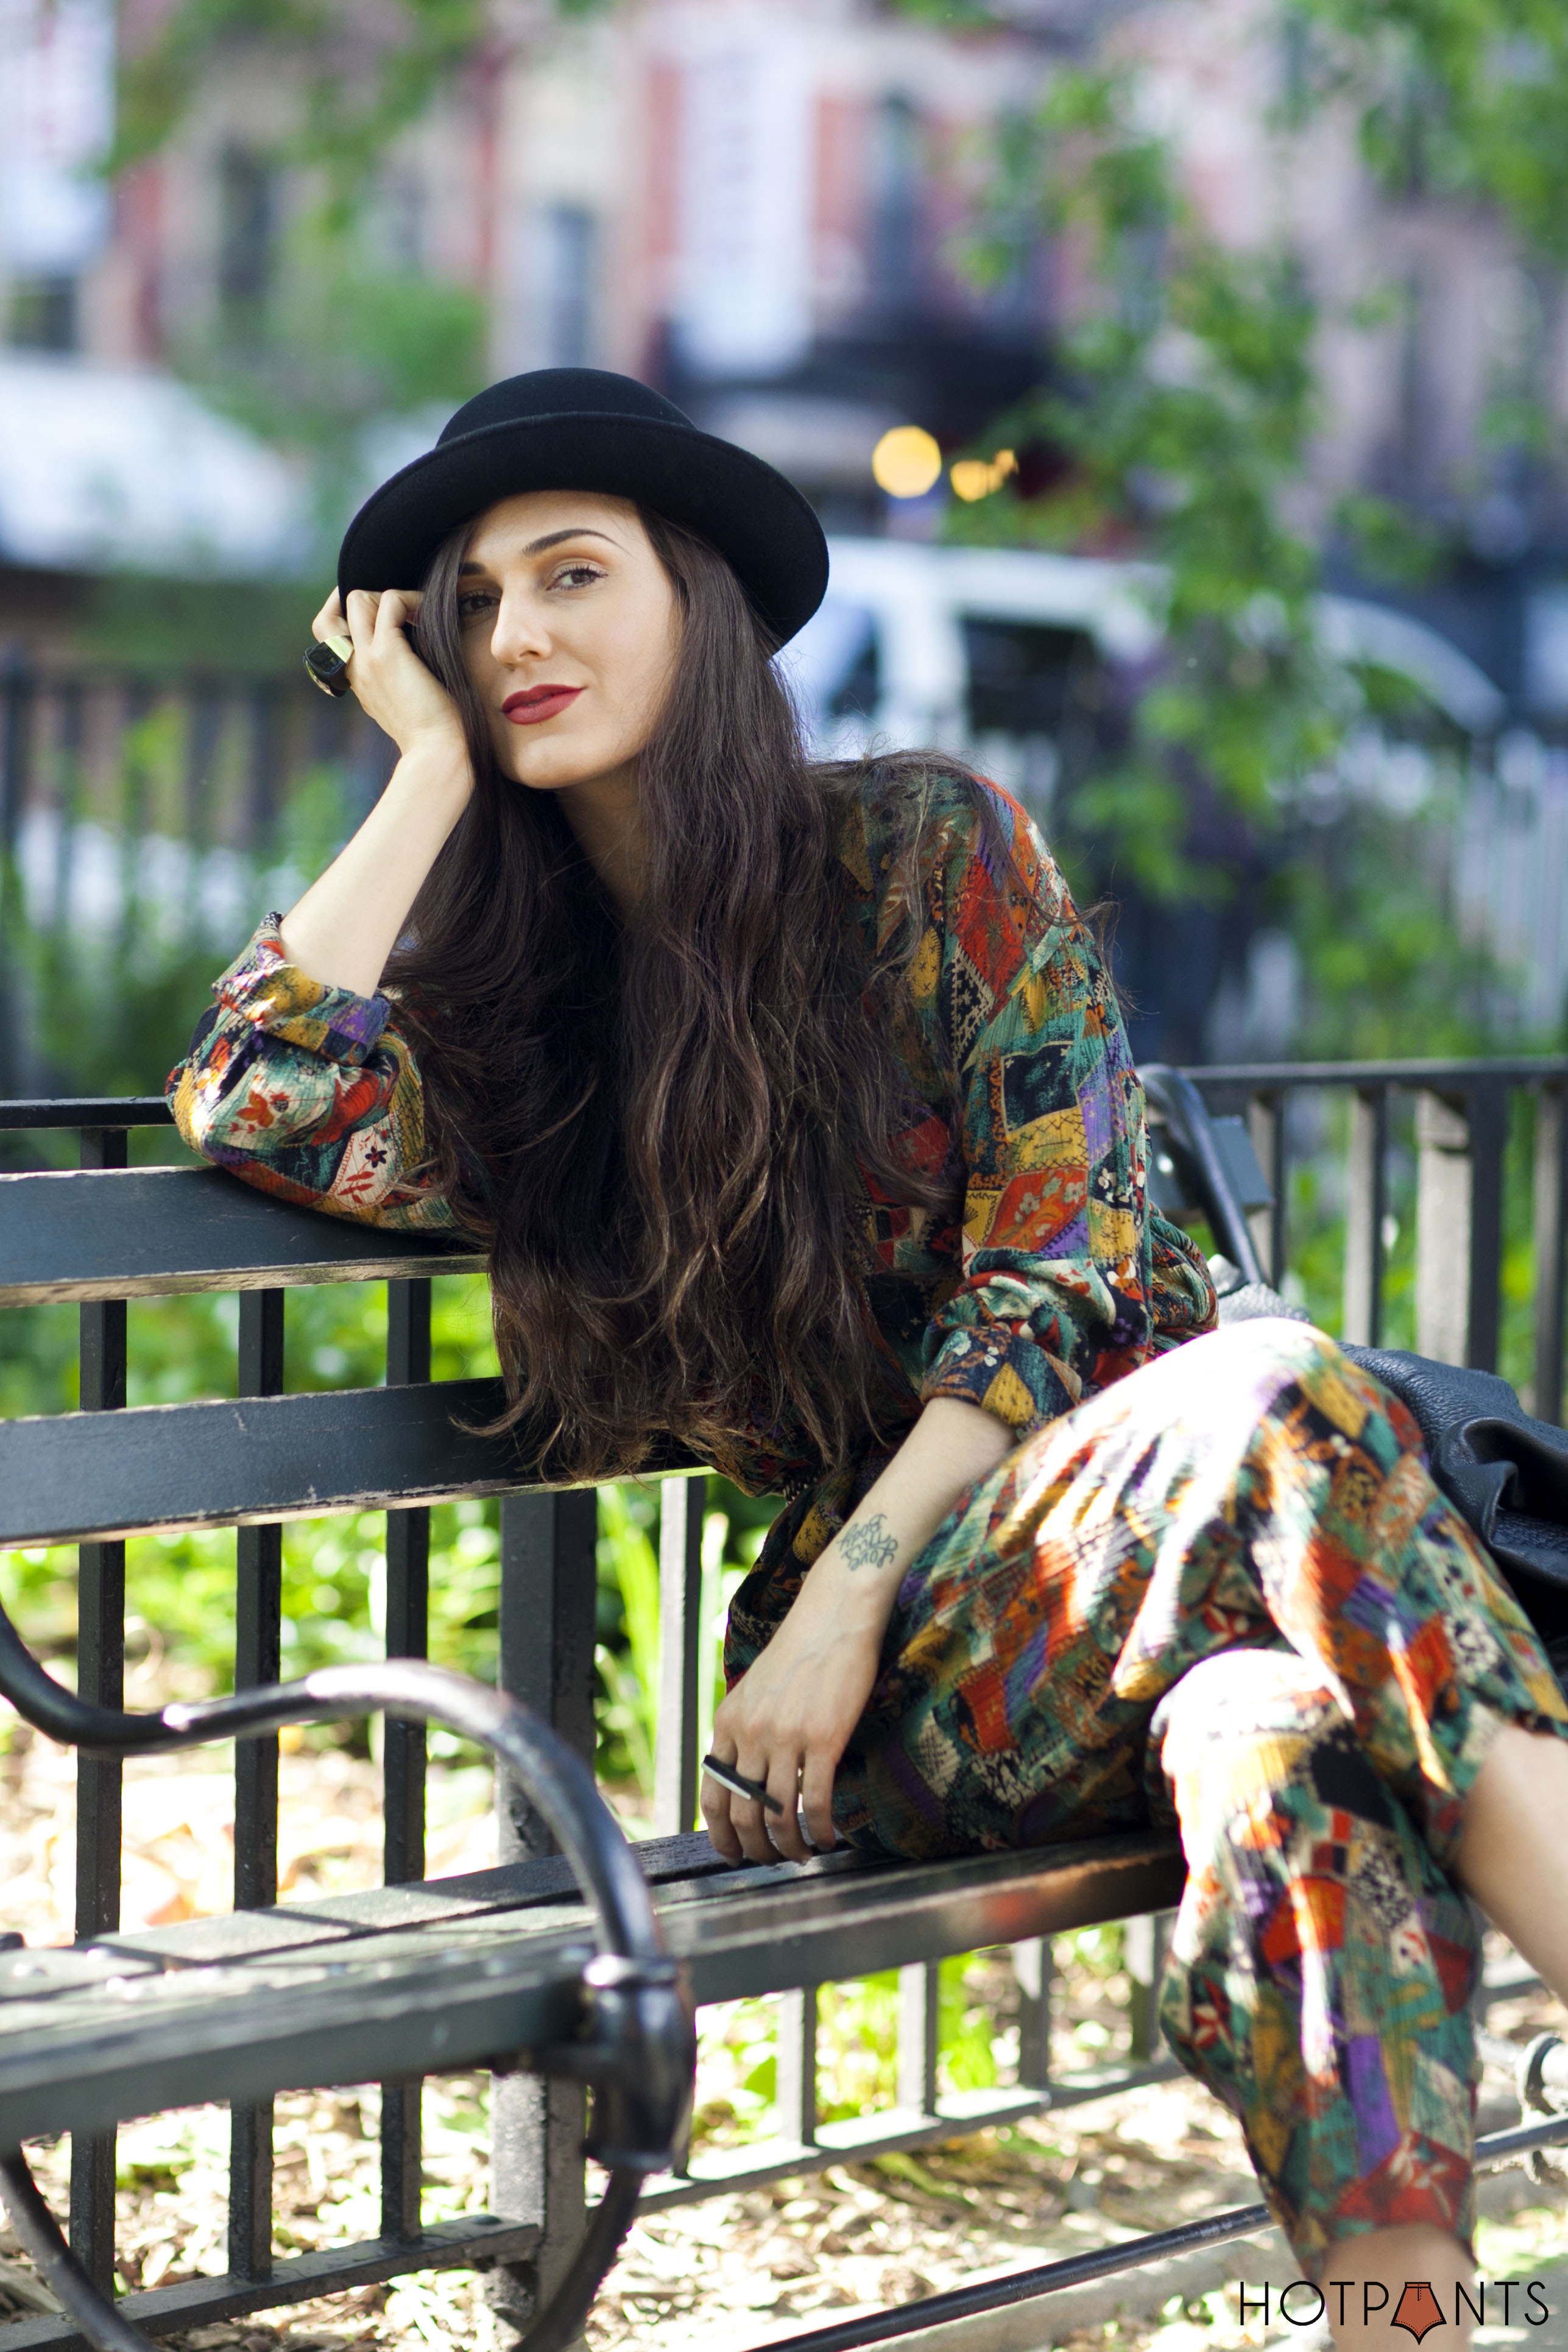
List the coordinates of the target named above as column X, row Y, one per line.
column 205, row 756
column 1460, row 1116
column 1460, row 1124
column 138, row 813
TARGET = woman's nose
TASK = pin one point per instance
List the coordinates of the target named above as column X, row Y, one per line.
column 519, row 633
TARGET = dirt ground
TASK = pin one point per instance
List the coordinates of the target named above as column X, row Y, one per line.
column 735, row 2272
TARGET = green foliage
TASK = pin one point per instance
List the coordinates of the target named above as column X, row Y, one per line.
column 628, row 1563
column 1184, row 404
column 1459, row 98
column 159, row 627
column 1464, row 98
column 110, row 1004
column 342, row 337
column 1386, row 977
column 359, row 81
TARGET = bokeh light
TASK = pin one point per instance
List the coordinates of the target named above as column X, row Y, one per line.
column 905, row 462
column 976, row 477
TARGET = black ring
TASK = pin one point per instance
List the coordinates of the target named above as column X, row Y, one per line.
column 738, row 1784
column 328, row 668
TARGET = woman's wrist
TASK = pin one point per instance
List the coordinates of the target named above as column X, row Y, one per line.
column 434, row 769
column 856, row 1581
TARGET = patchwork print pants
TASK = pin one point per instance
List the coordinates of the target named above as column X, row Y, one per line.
column 1226, row 1594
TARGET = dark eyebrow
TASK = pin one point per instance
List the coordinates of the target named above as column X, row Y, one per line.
column 551, row 539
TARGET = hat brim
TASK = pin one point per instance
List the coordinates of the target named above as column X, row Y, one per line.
column 759, row 522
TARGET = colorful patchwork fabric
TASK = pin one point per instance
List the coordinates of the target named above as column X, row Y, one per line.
column 1046, row 1276
column 1042, row 1277
column 307, row 1091
column 1225, row 1595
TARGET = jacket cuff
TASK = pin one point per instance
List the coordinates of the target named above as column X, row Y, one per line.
column 262, row 986
column 1007, row 1374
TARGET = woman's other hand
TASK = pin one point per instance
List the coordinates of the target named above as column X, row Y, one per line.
column 348, row 922
column 392, row 685
column 787, row 1722
column 789, row 1719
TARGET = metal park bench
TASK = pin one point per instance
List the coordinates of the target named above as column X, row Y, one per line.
column 554, row 1969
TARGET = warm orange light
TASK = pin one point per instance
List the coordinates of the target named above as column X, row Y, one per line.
column 905, row 462
column 976, row 477
column 971, row 477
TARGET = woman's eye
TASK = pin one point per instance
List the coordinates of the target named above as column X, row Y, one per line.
column 470, row 606
column 576, row 575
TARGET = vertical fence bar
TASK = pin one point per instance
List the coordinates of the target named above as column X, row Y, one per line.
column 403, row 1780
column 1146, row 1940
column 100, row 1677
column 919, row 1987
column 1551, row 1218
column 1265, row 1125
column 257, row 1660
column 795, row 2104
column 17, row 698
column 265, row 766
column 1366, row 1205
column 69, row 765
column 1443, row 1208
column 1034, row 1967
column 1489, row 1141
column 681, row 1502
column 547, row 1606
column 204, row 732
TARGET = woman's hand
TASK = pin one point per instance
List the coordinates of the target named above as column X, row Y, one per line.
column 393, row 685
column 787, row 1722
column 350, row 920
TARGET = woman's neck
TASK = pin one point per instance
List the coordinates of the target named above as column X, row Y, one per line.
column 605, row 814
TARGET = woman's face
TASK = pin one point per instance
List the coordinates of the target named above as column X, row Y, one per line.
column 570, row 633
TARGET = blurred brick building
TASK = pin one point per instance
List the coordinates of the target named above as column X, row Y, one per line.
column 751, row 203
column 754, row 202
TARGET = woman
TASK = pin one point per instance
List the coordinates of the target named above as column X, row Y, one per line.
column 794, row 1108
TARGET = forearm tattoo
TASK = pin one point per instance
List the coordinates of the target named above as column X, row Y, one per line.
column 869, row 1543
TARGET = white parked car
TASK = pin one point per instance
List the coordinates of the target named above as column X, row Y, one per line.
column 996, row 653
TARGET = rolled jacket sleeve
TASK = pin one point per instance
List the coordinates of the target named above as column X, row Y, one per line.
column 1055, row 1297
column 308, row 1092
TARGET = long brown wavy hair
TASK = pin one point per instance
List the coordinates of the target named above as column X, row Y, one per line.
column 654, row 1123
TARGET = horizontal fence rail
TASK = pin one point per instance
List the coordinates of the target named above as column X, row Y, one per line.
column 113, row 1233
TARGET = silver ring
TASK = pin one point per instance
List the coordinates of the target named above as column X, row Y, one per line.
column 756, row 1791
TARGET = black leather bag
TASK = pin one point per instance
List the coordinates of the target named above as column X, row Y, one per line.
column 1505, row 1474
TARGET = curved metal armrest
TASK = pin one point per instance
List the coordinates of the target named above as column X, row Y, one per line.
column 636, row 2043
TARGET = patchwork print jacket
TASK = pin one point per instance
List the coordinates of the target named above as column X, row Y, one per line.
column 1043, row 1274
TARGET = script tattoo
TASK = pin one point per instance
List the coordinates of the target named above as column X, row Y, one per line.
column 869, row 1544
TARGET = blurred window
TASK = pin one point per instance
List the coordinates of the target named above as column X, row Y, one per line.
column 42, row 314
column 1024, row 677
column 895, row 202
column 398, row 222
column 860, row 689
column 1546, row 649
column 833, row 671
column 247, row 239
column 568, row 247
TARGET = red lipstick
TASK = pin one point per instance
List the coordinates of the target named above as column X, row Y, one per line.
column 537, row 702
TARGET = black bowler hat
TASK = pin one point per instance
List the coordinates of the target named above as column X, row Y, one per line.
column 585, row 429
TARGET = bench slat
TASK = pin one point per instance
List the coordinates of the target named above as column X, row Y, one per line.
column 79, row 1475
column 461, row 1991
column 241, row 2033
column 72, row 1477
column 143, row 1233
